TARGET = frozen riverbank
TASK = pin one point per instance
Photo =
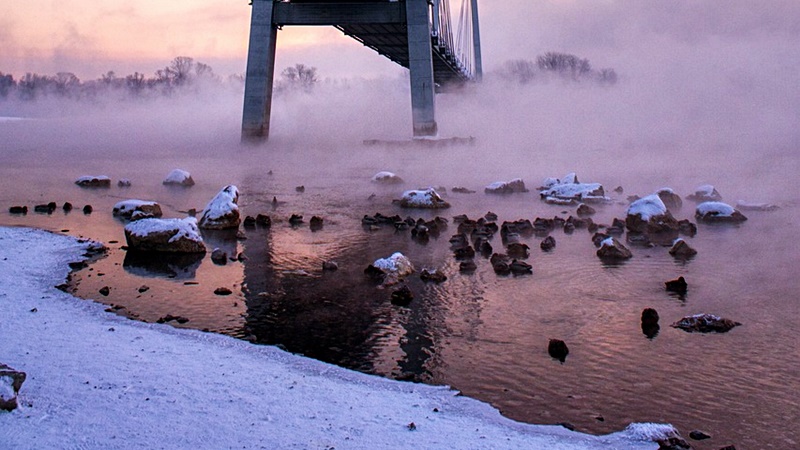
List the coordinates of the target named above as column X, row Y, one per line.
column 97, row 380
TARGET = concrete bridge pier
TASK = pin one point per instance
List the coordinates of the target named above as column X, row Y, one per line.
column 420, row 65
column 260, row 73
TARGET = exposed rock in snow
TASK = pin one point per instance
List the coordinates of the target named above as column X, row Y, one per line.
column 568, row 190
column 165, row 235
column 705, row 193
column 705, row 323
column 94, row 181
column 222, row 212
column 742, row 205
column 10, row 383
column 423, row 198
column 506, row 187
column 386, row 178
column 718, row 212
column 613, row 249
column 650, row 215
column 392, row 269
column 179, row 177
column 127, row 208
column 671, row 200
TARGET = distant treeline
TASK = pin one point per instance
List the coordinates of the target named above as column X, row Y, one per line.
column 562, row 65
column 182, row 74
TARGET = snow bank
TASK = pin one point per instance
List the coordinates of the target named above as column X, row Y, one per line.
column 647, row 207
column 98, row 380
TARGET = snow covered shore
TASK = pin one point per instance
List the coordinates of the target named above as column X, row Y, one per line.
column 97, row 380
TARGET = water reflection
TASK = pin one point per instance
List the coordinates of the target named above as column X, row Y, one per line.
column 154, row 265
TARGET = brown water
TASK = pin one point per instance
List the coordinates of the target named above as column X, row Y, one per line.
column 483, row 334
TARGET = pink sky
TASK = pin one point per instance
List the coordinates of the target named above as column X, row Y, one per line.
column 91, row 38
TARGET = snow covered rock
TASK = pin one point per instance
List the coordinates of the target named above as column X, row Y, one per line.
column 178, row 177
column 222, row 212
column 613, row 249
column 705, row 193
column 650, row 215
column 742, row 205
column 718, row 212
column 386, row 178
column 392, row 269
column 127, row 208
column 569, row 190
column 423, row 198
column 671, row 200
column 506, row 187
column 165, row 235
column 10, row 383
column 705, row 323
column 94, row 181
column 681, row 249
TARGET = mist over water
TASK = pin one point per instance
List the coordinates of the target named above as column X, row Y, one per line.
column 705, row 95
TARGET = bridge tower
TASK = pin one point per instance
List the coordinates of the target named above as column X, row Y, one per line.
column 409, row 32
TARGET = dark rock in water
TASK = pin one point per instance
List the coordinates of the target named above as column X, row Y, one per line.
column 650, row 326
column 484, row 247
column 249, row 222
column 12, row 379
column 490, row 216
column 598, row 238
column 558, row 349
column 467, row 266
column 612, row 249
column 673, row 443
column 698, row 435
column 679, row 286
column 705, row 323
column 296, row 219
column 143, row 288
column 567, row 425
column 263, row 220
column 585, row 210
column 506, row 187
column 67, row 207
column 520, row 268
column 500, row 263
column 316, row 223
column 619, row 190
column 518, row 250
column 87, row 209
column 705, row 193
column 104, row 291
column 124, row 183
column 300, row 189
column 218, row 256
column 548, row 243
column 402, row 296
column 569, row 228
column 222, row 291
column 681, row 249
column 687, row 228
column 330, row 266
column 44, row 209
column 464, row 252
column 101, row 181
column 436, row 276
column 18, row 210
column 671, row 200
column 462, row 190
column 170, row 318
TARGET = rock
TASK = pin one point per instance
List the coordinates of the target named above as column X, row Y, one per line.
column 670, row 199
column 467, row 266
column 178, row 177
column 612, row 249
column 402, row 296
column 222, row 212
column 316, row 223
column 680, row 249
column 506, row 187
column 87, row 209
column 436, row 276
column 222, row 291
column 750, row 206
column 650, row 326
column 90, row 181
column 687, row 228
column 650, row 215
column 249, row 222
column 18, row 210
column 218, row 256
column 490, row 216
column 67, row 207
column 390, row 270
column 678, row 286
column 143, row 288
column 170, row 318
column 330, row 266
column 300, row 188
column 569, row 190
column 698, row 435
column 295, row 219
column 518, row 250
column 673, row 443
column 520, row 267
column 598, row 238
column 500, row 263
column 124, row 182
column 705, row 193
column 10, row 383
column 718, row 212
column 705, row 323
column 585, row 210
column 165, row 235
column 548, row 243
column 558, row 349
column 127, row 208
column 104, row 291
column 424, row 198
column 386, row 178
column 263, row 220
column 462, row 190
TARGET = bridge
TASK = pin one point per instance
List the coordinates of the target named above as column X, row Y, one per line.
column 416, row 34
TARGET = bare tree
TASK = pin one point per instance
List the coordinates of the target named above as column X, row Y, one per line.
column 7, row 83
column 299, row 76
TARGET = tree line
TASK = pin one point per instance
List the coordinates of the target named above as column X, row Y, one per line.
column 553, row 64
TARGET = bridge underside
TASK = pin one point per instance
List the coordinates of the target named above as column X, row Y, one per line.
column 398, row 30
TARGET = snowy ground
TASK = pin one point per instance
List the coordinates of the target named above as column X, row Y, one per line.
column 97, row 380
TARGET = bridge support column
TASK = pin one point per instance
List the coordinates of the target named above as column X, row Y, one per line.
column 420, row 65
column 260, row 73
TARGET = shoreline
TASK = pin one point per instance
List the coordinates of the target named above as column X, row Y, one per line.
column 100, row 380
